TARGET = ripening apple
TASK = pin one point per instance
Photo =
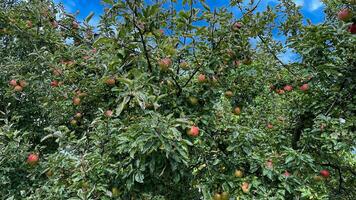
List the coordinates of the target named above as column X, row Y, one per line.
column 110, row 81
column 184, row 65
column 54, row 24
column 237, row 110
column 225, row 196
column 18, row 88
column 54, row 83
column 75, row 25
column 344, row 15
column 288, row 88
column 237, row 63
column 115, row 192
column 229, row 93
column 76, row 101
column 238, row 173
column 269, row 164
column 217, row 196
column 236, row 26
column 201, row 78
column 78, row 115
column 325, row 173
column 286, row 173
column 29, row 24
column 13, row 82
column 23, row 83
column 108, row 113
column 269, row 126
column 73, row 122
column 304, row 87
column 57, row 72
column 352, row 2
column 280, row 91
column 32, row 159
column 165, row 64
column 245, row 187
column 352, row 28
column 193, row 131
column 193, row 101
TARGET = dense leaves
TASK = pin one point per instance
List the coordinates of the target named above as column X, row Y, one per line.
column 165, row 103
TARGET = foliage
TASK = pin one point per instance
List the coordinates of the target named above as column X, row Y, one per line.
column 132, row 65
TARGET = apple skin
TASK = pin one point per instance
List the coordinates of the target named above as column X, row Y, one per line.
column 108, row 113
column 18, row 88
column 237, row 110
column 54, row 83
column 344, row 15
column 286, row 173
column 76, row 101
column 29, row 24
column 184, row 65
column 352, row 28
column 193, row 101
column 229, row 93
column 115, row 192
column 13, row 82
column 245, row 187
column 73, row 122
column 238, row 173
column 325, row 173
column 269, row 126
column 225, row 196
column 110, row 81
column 32, row 159
column 288, row 88
column 78, row 115
column 217, row 196
column 193, row 131
column 75, row 25
column 304, row 87
column 236, row 26
column 201, row 78
column 164, row 64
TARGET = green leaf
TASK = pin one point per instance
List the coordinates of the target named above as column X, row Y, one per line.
column 88, row 18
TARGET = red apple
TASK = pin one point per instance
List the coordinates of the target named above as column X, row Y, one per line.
column 108, row 113
column 18, row 88
column 76, row 101
column 286, row 173
column 201, row 78
column 269, row 126
column 344, row 15
column 164, row 64
column 304, row 87
column 245, row 187
column 237, row 110
column 54, row 83
column 75, row 25
column 193, row 131
column 29, row 24
column 352, row 28
column 236, row 26
column 78, row 115
column 23, row 83
column 110, row 81
column 32, row 159
column 13, row 82
column 54, row 24
column 288, row 88
column 280, row 91
column 325, row 173
column 269, row 164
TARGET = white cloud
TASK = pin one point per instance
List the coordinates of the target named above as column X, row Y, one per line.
column 299, row 2
column 315, row 4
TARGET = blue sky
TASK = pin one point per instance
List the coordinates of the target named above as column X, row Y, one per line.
column 311, row 9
